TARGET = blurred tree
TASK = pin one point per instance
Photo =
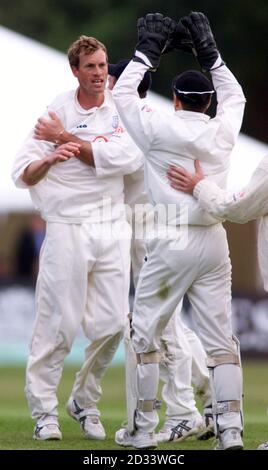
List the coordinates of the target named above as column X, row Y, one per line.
column 240, row 28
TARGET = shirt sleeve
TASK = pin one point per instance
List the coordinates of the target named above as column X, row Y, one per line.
column 119, row 156
column 263, row 250
column 248, row 204
column 230, row 107
column 142, row 123
column 32, row 150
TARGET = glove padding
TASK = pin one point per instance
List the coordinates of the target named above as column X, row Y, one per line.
column 180, row 40
column 153, row 33
column 204, row 43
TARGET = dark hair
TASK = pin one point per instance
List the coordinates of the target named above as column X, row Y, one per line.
column 115, row 70
column 193, row 89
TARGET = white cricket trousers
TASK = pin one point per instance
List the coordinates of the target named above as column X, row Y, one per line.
column 183, row 365
column 184, row 361
column 202, row 270
column 83, row 280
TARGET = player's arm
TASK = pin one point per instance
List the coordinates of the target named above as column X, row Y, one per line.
column 143, row 124
column 118, row 156
column 52, row 130
column 230, row 97
column 38, row 169
column 182, row 180
column 240, row 207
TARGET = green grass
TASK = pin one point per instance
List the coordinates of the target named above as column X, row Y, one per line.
column 16, row 426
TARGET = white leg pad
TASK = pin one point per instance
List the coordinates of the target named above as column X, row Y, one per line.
column 131, row 383
column 226, row 384
column 147, row 386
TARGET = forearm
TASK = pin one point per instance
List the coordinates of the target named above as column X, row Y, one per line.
column 36, row 171
column 237, row 207
column 86, row 153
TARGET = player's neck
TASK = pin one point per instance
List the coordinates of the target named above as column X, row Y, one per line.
column 87, row 101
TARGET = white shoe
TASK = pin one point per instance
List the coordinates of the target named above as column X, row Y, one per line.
column 263, row 446
column 180, row 430
column 90, row 423
column 208, row 430
column 47, row 429
column 139, row 440
column 230, row 439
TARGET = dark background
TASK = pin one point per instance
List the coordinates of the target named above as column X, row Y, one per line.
column 239, row 26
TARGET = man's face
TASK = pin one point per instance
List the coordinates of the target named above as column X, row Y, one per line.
column 92, row 72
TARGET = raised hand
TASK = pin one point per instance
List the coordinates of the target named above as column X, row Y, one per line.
column 179, row 40
column 154, row 31
column 204, row 43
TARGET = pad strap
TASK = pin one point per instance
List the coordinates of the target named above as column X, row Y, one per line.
column 149, row 358
column 148, row 405
column 214, row 361
column 226, row 407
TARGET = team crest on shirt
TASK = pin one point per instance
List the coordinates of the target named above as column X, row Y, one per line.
column 239, row 195
column 115, row 121
column 146, row 109
column 119, row 130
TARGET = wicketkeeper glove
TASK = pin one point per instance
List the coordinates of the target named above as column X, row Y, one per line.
column 204, row 43
column 153, row 33
column 180, row 40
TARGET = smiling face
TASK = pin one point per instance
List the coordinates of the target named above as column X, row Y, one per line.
column 92, row 72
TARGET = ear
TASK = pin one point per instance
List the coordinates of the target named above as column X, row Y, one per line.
column 177, row 102
column 74, row 70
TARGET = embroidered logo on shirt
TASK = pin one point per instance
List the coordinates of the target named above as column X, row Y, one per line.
column 239, row 195
column 146, row 108
column 81, row 126
column 115, row 121
column 119, row 130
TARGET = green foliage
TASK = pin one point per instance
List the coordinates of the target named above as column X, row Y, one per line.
column 240, row 28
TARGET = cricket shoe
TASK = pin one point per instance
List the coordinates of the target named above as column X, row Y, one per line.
column 180, row 430
column 47, row 429
column 230, row 439
column 139, row 440
column 208, row 430
column 263, row 446
column 89, row 422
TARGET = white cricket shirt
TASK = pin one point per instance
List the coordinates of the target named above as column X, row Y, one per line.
column 181, row 139
column 72, row 191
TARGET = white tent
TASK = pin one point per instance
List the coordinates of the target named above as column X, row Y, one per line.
column 31, row 77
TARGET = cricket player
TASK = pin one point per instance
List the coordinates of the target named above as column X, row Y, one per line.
column 248, row 204
column 198, row 263
column 84, row 265
column 184, row 359
column 183, row 356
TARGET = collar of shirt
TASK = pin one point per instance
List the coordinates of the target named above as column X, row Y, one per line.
column 107, row 103
column 182, row 114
